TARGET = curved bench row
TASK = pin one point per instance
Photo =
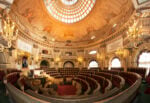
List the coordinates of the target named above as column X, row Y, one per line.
column 101, row 80
column 84, row 84
column 12, row 78
column 128, row 76
column 106, row 84
column 141, row 71
column 122, row 97
column 117, row 81
column 4, row 72
column 94, row 85
column 128, row 93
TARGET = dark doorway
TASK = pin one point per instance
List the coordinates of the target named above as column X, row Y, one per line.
column 24, row 62
column 44, row 64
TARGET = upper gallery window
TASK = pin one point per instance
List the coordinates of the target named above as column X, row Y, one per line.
column 69, row 11
column 92, row 52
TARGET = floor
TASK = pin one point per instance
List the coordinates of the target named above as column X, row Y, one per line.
column 3, row 97
column 141, row 96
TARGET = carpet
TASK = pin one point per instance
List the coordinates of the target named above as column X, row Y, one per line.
column 66, row 90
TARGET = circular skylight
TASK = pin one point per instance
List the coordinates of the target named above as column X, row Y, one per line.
column 69, row 11
column 69, row 2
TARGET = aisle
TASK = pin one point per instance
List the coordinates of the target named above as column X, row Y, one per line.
column 3, row 97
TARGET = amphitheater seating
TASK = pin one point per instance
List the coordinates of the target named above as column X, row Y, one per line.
column 95, row 68
column 94, row 80
column 12, row 77
column 12, row 70
column 116, row 80
column 53, row 72
column 106, row 75
column 103, row 82
column 148, row 79
column 91, row 99
column 66, row 72
column 94, row 85
column 90, row 70
column 129, row 78
column 84, row 84
column 115, row 72
column 141, row 71
column 117, row 69
column 2, row 74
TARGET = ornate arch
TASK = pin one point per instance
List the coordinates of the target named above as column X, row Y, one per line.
column 142, row 48
column 93, row 60
column 68, row 64
column 113, row 57
column 47, row 63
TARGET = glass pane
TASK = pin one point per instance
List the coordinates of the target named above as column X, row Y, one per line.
column 115, row 63
column 93, row 64
column 144, row 61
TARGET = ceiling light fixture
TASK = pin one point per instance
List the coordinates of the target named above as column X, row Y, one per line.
column 93, row 37
column 114, row 25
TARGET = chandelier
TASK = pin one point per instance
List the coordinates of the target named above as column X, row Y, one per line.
column 120, row 52
column 9, row 30
column 134, row 34
column 100, row 56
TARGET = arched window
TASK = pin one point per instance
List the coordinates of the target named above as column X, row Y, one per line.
column 93, row 64
column 144, row 60
column 115, row 63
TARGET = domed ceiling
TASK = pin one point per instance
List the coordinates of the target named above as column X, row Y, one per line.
column 73, row 20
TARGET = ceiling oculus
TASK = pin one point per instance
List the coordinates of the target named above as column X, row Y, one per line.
column 69, row 11
column 69, row 2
